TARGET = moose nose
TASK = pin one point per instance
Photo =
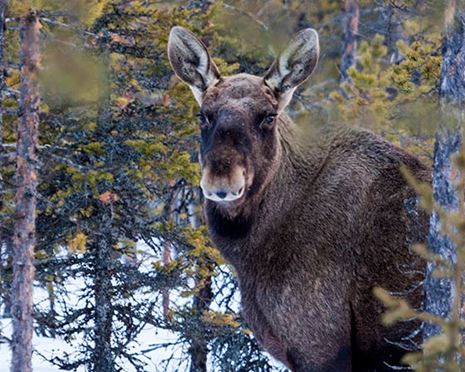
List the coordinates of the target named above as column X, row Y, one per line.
column 223, row 188
column 221, row 194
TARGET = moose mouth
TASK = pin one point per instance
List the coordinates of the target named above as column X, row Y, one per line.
column 226, row 189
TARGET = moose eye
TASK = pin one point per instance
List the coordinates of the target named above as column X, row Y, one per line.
column 203, row 119
column 268, row 121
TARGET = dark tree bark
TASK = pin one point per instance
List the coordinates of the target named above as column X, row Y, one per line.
column 439, row 292
column 352, row 8
column 5, row 241
column 26, row 178
column 202, row 301
column 199, row 344
column 394, row 18
column 167, row 259
column 3, row 4
column 103, row 355
column 453, row 51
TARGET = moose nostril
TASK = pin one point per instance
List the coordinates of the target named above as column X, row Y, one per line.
column 221, row 194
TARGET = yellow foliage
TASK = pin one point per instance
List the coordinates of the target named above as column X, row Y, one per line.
column 41, row 255
column 220, row 319
column 436, row 344
column 91, row 10
column 77, row 244
column 13, row 79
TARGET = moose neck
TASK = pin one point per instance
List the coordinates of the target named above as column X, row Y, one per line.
column 296, row 167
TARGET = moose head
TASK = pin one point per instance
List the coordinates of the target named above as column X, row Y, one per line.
column 240, row 114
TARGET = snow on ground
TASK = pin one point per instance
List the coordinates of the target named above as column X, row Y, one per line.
column 48, row 347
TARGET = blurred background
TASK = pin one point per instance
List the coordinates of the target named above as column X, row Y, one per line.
column 126, row 278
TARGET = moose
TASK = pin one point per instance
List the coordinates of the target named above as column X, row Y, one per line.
column 310, row 222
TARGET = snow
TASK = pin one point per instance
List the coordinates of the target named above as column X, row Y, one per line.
column 49, row 346
column 45, row 347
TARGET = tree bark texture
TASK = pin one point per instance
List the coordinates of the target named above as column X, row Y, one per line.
column 199, row 344
column 3, row 4
column 352, row 8
column 202, row 301
column 167, row 259
column 5, row 241
column 453, row 51
column 25, row 198
column 394, row 17
column 439, row 292
column 103, row 355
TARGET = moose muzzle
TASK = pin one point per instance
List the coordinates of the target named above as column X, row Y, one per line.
column 223, row 187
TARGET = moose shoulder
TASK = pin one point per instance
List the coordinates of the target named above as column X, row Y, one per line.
column 310, row 226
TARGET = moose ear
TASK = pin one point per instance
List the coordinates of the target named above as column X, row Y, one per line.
column 294, row 65
column 191, row 62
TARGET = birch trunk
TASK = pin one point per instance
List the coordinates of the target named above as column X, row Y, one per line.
column 439, row 292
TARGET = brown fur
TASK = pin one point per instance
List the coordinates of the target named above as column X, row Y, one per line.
column 320, row 224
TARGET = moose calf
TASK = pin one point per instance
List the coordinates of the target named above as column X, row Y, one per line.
column 310, row 226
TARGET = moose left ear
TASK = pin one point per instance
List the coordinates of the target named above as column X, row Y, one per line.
column 191, row 62
column 294, row 65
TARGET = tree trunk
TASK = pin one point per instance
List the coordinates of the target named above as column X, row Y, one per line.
column 167, row 259
column 2, row 66
column 394, row 17
column 168, row 256
column 439, row 292
column 103, row 355
column 352, row 8
column 199, row 344
column 25, row 199
column 5, row 241
column 104, row 360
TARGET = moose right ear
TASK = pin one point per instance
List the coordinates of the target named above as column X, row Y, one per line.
column 191, row 62
column 294, row 65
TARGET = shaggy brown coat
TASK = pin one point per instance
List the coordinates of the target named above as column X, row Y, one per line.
column 320, row 224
